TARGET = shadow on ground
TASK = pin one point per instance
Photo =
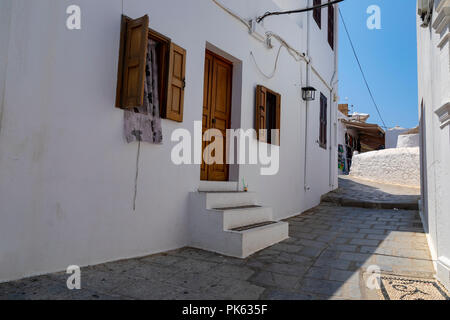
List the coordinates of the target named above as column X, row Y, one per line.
column 327, row 257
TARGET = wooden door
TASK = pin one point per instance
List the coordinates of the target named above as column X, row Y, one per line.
column 216, row 110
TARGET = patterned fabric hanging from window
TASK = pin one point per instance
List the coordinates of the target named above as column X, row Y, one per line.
column 144, row 123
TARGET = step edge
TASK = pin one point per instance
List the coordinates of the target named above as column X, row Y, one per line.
column 225, row 192
column 258, row 208
column 273, row 225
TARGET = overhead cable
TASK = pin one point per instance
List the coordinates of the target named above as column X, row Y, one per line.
column 360, row 68
column 278, row 13
column 298, row 56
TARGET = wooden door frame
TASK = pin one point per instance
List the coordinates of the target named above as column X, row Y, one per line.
column 210, row 124
column 219, row 57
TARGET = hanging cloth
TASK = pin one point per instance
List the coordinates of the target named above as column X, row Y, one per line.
column 144, row 123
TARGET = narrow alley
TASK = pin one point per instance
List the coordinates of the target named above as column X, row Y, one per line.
column 332, row 253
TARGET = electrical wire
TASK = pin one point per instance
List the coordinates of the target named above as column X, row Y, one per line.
column 298, row 56
column 317, row 73
column 137, row 175
column 360, row 68
column 293, row 52
column 278, row 13
column 242, row 20
column 274, row 68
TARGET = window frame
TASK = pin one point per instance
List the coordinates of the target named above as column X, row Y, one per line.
column 323, row 127
column 163, row 53
column 261, row 111
column 129, row 96
column 167, row 80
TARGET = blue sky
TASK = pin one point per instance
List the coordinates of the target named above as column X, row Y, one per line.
column 388, row 57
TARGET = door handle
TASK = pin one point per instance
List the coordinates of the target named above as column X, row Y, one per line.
column 214, row 121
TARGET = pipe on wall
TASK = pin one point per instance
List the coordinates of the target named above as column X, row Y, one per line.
column 308, row 39
column 332, row 84
column 6, row 12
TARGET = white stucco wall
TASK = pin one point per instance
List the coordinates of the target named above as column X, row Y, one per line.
column 66, row 173
column 392, row 136
column 399, row 166
column 408, row 141
column 434, row 96
column 5, row 21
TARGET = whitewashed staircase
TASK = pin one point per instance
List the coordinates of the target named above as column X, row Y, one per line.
column 231, row 223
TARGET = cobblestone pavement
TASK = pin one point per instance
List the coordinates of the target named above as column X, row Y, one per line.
column 326, row 257
column 356, row 192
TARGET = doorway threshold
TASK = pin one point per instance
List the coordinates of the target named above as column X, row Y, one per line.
column 218, row 186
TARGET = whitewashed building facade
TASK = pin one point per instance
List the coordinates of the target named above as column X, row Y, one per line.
column 433, row 36
column 67, row 175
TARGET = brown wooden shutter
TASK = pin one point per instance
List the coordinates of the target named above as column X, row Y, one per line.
column 317, row 13
column 261, row 108
column 176, row 83
column 331, row 26
column 132, row 62
column 123, row 31
column 277, row 139
column 323, row 121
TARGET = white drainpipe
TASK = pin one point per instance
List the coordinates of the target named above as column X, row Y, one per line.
column 331, row 182
column 307, row 187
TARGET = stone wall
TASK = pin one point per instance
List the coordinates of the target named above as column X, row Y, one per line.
column 408, row 141
column 399, row 166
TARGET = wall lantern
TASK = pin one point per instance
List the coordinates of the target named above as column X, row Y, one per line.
column 309, row 93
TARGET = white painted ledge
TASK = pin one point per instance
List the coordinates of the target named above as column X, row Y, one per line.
column 442, row 22
column 444, row 114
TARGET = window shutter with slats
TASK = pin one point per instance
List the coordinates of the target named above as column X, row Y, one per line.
column 261, row 108
column 176, row 83
column 132, row 61
column 317, row 13
column 331, row 26
column 277, row 138
column 323, row 121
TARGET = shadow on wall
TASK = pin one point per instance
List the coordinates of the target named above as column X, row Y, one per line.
column 352, row 240
column 423, row 165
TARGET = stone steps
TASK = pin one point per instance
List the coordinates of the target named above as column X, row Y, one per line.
column 346, row 201
column 232, row 223
column 229, row 199
column 244, row 216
